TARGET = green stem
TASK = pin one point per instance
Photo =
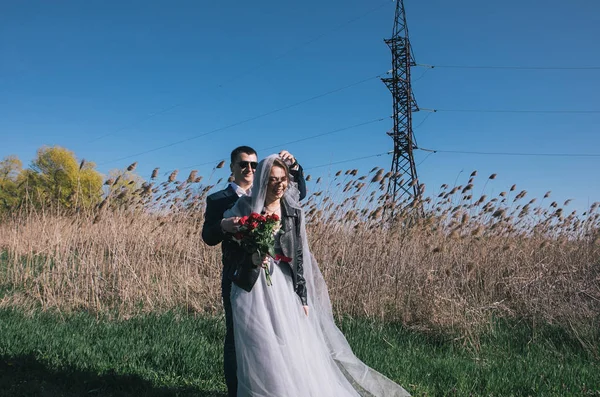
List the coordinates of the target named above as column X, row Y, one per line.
column 267, row 275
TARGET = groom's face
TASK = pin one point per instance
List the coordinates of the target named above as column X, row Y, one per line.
column 243, row 169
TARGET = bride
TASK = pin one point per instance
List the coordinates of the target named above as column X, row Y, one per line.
column 286, row 340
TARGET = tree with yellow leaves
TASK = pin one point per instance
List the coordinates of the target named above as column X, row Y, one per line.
column 57, row 178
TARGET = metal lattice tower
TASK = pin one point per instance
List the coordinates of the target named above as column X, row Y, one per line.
column 404, row 181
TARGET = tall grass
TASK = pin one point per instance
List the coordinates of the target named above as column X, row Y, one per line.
column 469, row 258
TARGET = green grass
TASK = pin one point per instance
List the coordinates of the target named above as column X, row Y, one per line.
column 79, row 355
column 511, row 360
column 180, row 355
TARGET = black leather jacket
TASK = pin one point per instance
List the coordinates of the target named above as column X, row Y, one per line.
column 216, row 205
column 246, row 273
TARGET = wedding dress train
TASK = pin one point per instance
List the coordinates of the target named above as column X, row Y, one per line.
column 280, row 351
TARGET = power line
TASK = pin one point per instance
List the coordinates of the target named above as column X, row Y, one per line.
column 247, row 71
column 433, row 151
column 426, row 157
column 336, row 162
column 421, row 76
column 511, row 111
column 510, row 67
column 349, row 160
column 424, row 120
column 247, row 120
column 146, row 118
column 328, row 133
column 299, row 140
column 512, row 153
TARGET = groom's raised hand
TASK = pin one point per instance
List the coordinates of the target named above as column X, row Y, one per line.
column 295, row 171
column 288, row 158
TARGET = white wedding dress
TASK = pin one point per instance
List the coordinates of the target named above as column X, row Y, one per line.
column 280, row 351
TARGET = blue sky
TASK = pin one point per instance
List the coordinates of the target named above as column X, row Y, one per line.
column 110, row 80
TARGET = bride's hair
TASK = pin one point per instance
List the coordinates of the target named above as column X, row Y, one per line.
column 277, row 162
column 261, row 181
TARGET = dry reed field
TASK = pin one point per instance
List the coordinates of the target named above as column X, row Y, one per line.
column 467, row 260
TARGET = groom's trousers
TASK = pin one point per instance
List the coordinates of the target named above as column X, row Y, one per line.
column 229, row 361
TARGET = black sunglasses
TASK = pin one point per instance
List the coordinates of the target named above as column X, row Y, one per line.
column 245, row 164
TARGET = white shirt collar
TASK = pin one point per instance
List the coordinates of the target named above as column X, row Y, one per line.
column 239, row 191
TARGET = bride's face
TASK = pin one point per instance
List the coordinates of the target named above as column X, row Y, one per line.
column 277, row 183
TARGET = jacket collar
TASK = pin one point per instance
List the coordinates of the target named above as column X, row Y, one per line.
column 239, row 191
column 230, row 191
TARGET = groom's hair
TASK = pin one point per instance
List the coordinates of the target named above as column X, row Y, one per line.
column 241, row 149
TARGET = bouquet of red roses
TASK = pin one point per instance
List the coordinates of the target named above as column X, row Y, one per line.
column 256, row 234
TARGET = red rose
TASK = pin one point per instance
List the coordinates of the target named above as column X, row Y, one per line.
column 274, row 217
column 253, row 224
column 254, row 216
column 243, row 220
column 262, row 219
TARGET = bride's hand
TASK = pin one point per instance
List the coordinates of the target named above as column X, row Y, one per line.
column 230, row 225
column 257, row 260
column 305, row 310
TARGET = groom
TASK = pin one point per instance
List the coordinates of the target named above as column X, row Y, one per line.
column 214, row 231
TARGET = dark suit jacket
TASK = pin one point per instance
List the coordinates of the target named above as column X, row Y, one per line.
column 212, row 234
